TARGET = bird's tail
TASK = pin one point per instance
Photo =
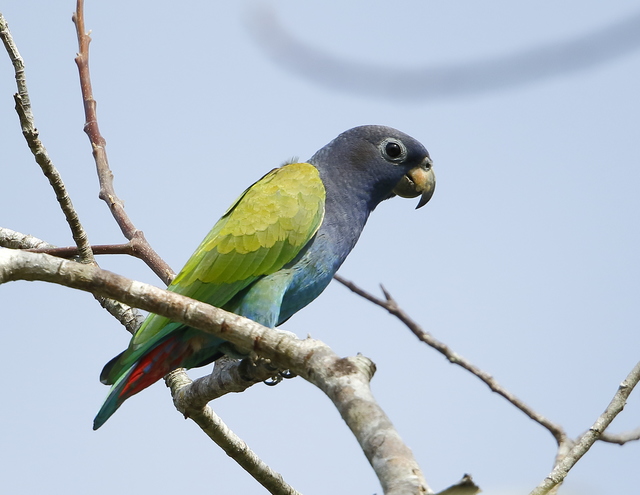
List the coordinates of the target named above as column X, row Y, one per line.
column 156, row 363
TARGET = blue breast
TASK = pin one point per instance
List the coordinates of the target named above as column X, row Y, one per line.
column 313, row 270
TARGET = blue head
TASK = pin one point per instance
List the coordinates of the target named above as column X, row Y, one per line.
column 371, row 163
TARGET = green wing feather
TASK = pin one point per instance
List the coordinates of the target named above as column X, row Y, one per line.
column 259, row 234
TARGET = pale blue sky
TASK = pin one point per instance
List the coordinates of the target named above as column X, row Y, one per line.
column 525, row 261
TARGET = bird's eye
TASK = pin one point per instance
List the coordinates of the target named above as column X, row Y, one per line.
column 393, row 150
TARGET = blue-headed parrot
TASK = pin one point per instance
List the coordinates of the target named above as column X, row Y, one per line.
column 275, row 249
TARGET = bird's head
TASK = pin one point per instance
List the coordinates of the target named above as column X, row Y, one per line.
column 379, row 161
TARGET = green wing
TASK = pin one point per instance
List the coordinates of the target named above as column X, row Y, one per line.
column 262, row 231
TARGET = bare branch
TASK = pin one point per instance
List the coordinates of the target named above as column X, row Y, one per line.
column 190, row 398
column 228, row 375
column 585, row 442
column 129, row 317
column 99, row 249
column 621, row 438
column 220, row 433
column 98, row 143
column 392, row 307
column 23, row 108
column 18, row 64
column 16, row 240
column 344, row 380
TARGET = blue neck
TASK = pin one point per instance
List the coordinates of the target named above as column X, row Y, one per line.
column 346, row 213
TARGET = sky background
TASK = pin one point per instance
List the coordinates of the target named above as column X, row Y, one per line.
column 525, row 261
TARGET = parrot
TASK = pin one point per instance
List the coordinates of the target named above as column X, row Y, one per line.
column 275, row 249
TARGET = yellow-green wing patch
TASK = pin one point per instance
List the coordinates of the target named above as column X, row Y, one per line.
column 263, row 231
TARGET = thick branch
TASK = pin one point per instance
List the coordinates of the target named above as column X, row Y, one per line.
column 17, row 240
column 98, row 144
column 129, row 317
column 228, row 375
column 345, row 381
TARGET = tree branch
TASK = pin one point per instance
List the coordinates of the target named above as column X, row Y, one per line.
column 344, row 380
column 17, row 240
column 105, row 176
column 30, row 133
column 124, row 314
column 569, row 451
column 621, row 438
column 99, row 249
column 392, row 307
column 228, row 375
column 129, row 317
column 585, row 442
column 220, row 433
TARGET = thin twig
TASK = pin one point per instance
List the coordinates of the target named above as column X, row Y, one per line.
column 621, row 438
column 98, row 144
column 392, row 307
column 23, row 108
column 585, row 442
column 131, row 248
column 98, row 249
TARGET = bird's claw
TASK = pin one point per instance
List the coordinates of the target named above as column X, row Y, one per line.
column 282, row 375
column 273, row 381
column 287, row 374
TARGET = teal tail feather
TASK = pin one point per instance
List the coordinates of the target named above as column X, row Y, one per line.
column 168, row 355
column 113, row 400
column 178, row 350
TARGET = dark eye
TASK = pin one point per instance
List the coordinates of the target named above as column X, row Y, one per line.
column 393, row 150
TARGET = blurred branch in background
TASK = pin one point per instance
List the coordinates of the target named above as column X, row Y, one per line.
column 443, row 81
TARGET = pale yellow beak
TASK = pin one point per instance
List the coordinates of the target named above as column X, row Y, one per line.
column 419, row 181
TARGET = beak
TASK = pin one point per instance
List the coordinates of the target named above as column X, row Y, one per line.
column 419, row 181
